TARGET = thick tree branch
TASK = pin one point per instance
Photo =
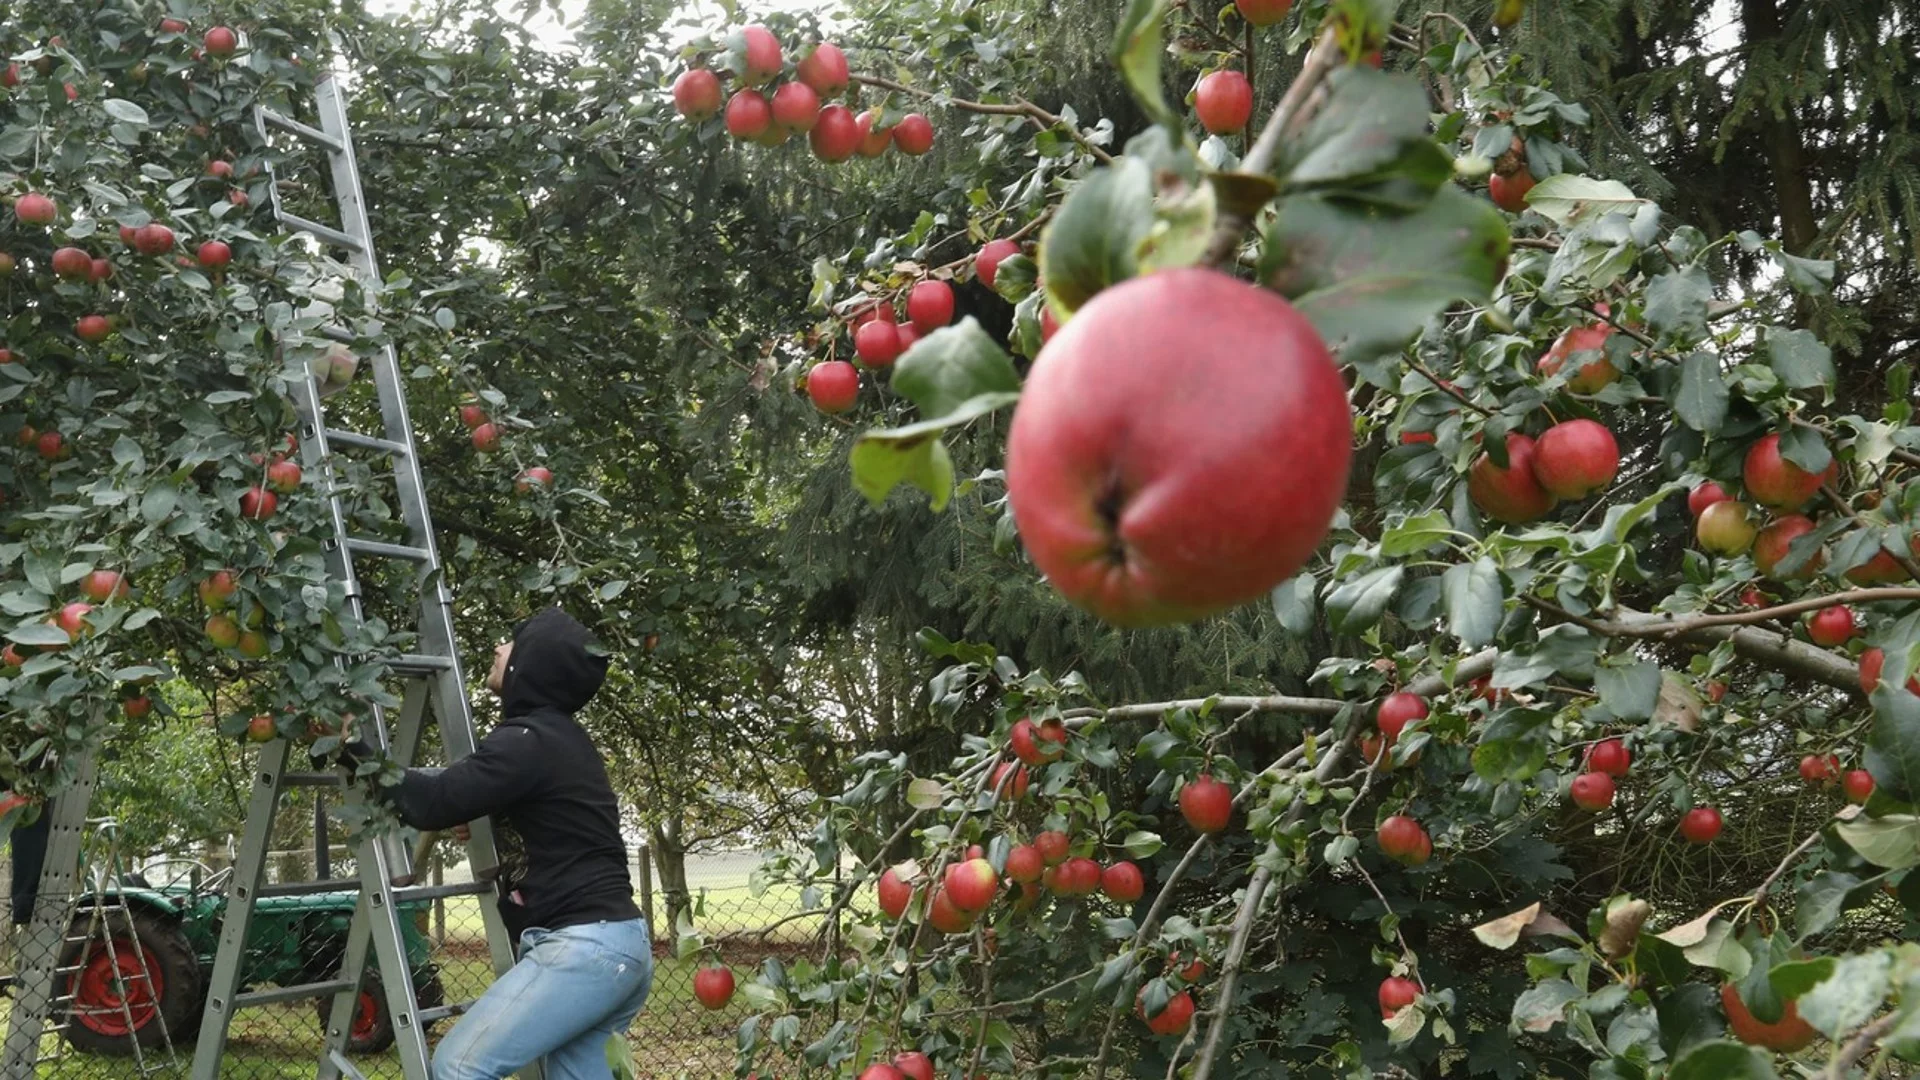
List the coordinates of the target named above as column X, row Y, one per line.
column 1322, row 59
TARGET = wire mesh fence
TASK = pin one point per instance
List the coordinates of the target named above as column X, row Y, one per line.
column 130, row 985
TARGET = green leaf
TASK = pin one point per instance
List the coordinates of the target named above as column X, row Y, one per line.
column 925, row 794
column 1015, row 277
column 1677, row 301
column 1416, row 534
column 1373, row 128
column 1094, row 239
column 1566, row 198
column 1357, row 604
column 951, row 367
column 1630, row 692
column 1369, row 277
column 1293, row 603
column 1141, row 844
column 1801, row 360
column 884, row 458
column 125, row 111
column 1544, row 1005
column 1893, row 745
column 1137, row 48
column 1476, row 601
column 1818, row 904
column 38, row 633
column 1723, row 1060
column 1699, row 397
column 1850, row 996
column 1891, row 842
column 1805, row 448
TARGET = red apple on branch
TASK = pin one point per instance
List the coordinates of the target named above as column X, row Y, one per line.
column 1512, row 495
column 1396, row 993
column 1705, row 495
column 914, row 1065
column 697, row 94
column 1594, row 373
column 971, row 884
column 1509, row 192
column 71, row 262
column 824, row 69
column 1777, row 483
column 1123, row 882
column 874, row 140
column 1610, row 756
column 763, row 56
column 1053, row 847
column 220, row 41
column 1592, row 791
column 1770, row 548
column 1701, row 825
column 1831, row 626
column 1223, row 100
column 913, row 134
column 1403, row 840
column 1575, row 458
column 836, row 134
column 877, row 343
column 1726, row 528
column 34, row 208
column 834, row 386
column 1173, row 1018
column 986, row 263
column 930, row 306
column 894, row 893
column 1858, row 785
column 1206, row 803
column 100, row 586
column 748, row 115
column 795, row 108
column 713, row 986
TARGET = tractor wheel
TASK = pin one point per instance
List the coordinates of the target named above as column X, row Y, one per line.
column 112, row 1005
column 372, row 1029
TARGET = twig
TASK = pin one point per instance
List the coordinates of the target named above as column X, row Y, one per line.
column 1270, row 703
column 1040, row 117
column 1321, row 61
column 1857, row 1047
column 1898, row 454
column 1760, row 894
column 1448, row 388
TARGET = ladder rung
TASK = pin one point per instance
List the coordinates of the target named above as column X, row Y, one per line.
column 413, row 893
column 388, row 551
column 312, row 779
column 325, row 232
column 420, row 664
column 441, row 1012
column 288, row 124
column 338, row 333
column 290, row 993
column 337, row 437
column 307, row 888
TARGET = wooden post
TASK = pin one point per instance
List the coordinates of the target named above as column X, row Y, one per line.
column 643, row 863
column 439, row 902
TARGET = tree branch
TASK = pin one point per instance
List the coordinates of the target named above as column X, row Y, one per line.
column 1857, row 1047
column 1321, row 60
column 1040, row 117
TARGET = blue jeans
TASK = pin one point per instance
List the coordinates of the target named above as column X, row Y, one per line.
column 572, row 990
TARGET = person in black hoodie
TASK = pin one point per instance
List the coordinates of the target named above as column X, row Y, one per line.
column 585, row 957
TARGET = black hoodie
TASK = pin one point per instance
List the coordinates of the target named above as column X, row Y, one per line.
column 539, row 776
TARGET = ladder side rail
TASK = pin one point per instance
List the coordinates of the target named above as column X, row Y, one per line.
column 38, row 956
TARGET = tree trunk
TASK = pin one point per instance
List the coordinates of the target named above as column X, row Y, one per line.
column 670, row 863
column 1780, row 135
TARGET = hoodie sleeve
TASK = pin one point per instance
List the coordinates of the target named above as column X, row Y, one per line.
column 504, row 769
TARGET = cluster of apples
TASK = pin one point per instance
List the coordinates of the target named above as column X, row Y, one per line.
column 485, row 436
column 794, row 107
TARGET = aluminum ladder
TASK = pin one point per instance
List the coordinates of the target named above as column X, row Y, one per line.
column 431, row 678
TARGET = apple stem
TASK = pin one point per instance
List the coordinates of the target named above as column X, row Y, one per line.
column 1321, row 60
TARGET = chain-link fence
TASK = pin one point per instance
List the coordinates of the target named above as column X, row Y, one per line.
column 132, row 974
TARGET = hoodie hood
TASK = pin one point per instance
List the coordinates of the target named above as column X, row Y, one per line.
column 555, row 666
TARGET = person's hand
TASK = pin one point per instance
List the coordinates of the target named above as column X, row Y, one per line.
column 463, row 833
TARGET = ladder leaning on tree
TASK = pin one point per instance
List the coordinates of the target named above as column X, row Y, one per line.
column 431, row 675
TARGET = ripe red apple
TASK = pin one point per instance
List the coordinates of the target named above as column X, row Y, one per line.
column 92, row 329
column 127, row 234
column 153, row 238
column 1771, row 545
column 1592, row 791
column 913, row 1065
column 971, row 884
column 877, row 343
column 1610, row 756
column 1831, row 626
column 913, row 134
column 472, row 416
column 220, row 169
column 1575, row 458
column 874, row 140
column 795, row 107
column 172, row 26
column 283, row 476
column 1726, row 528
column 71, row 262
column 1403, row 840
column 261, row 729
column 222, row 631
column 486, row 438
column 1716, row 690
column 894, row 893
column 258, row 504
column 1263, row 12
column 1123, row 882
column 1513, row 494
column 34, row 208
column 50, row 445
column 1701, row 825
column 762, row 54
column 1024, row 863
column 713, row 986
column 10, row 656
column 214, row 254
column 103, row 585
column 252, row 644
column 1594, row 375
column 1024, row 741
column 1396, row 993
column 930, row 306
column 1009, row 781
column 1173, row 1018
column 1396, row 711
column 539, row 476
column 1871, row 663
column 72, row 619
column 1858, row 785
column 833, row 386
column 1257, row 443
column 836, row 134
column 1049, row 323
column 1787, row 1035
column 1053, row 847
column 881, row 1071
column 1509, row 192
column 220, row 41
column 824, row 69
column 945, row 916
column 237, row 197
column 1206, row 803
column 1705, row 495
column 1818, row 769
column 217, row 589
column 1078, row 876
column 986, row 264
column 748, row 115
column 10, row 76
column 1223, row 100
column 1777, row 483
column 1882, row 569
column 1191, row 972
column 697, row 94
column 136, row 708
column 102, row 270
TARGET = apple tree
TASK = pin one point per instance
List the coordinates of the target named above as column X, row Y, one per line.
column 1621, row 608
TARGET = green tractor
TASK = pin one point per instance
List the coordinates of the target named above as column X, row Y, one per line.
column 176, row 926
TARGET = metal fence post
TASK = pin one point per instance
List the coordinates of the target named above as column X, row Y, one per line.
column 439, row 903
column 643, row 862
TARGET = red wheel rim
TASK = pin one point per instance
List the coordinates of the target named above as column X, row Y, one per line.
column 366, row 1015
column 101, row 1003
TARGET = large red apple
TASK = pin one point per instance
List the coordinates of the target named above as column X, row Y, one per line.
column 486, row 438
column 930, row 306
column 713, row 986
column 72, row 619
column 1820, row 769
column 1509, row 192
column 1223, row 100
column 258, row 504
column 34, row 208
column 1053, row 846
column 1771, row 545
column 761, row 54
column 214, row 254
column 153, row 238
column 1777, row 483
column 877, row 343
column 1705, row 495
column 539, row 476
column 1610, row 756
column 1872, row 662
column 874, row 139
column 1787, row 1035
column 1403, row 840
column 222, row 631
column 92, row 329
column 1173, row 1018
column 835, row 135
column 1024, row 863
column 795, row 107
column 1593, row 791
column 1009, row 781
column 217, row 589
column 71, row 262
column 1882, row 569
column 824, row 69
column 1256, row 443
column 1123, row 882
column 1701, row 825
column 1831, row 626
column 1037, row 744
column 1575, row 458
column 913, row 134
column 220, row 41
column 1079, row 876
column 697, row 94
column 1858, row 784
column 945, row 916
column 51, row 445
column 1726, row 528
column 881, row 1071
column 100, row 586
column 1512, row 494
column 1594, row 373
column 748, row 115
column 1396, row 993
column 1206, row 803
column 283, row 476
column 1263, row 12
column 1397, row 711
column 971, row 884
column 986, row 264
column 913, row 1065
column 833, row 386
column 894, row 893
